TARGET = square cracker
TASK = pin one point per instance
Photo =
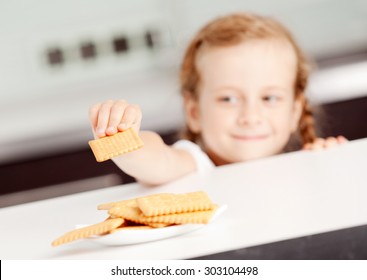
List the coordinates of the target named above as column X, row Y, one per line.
column 168, row 203
column 109, row 205
column 120, row 143
column 135, row 214
column 96, row 229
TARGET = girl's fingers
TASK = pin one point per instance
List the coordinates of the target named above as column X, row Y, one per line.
column 131, row 118
column 93, row 115
column 331, row 142
column 321, row 143
column 137, row 123
column 318, row 144
column 103, row 118
column 116, row 114
column 341, row 139
column 307, row 146
column 111, row 116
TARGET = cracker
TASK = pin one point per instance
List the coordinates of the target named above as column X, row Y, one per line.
column 120, row 143
column 198, row 217
column 156, row 225
column 141, row 227
column 96, row 229
column 133, row 214
column 167, row 203
column 109, row 205
column 126, row 212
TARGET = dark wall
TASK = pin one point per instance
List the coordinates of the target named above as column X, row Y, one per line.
column 347, row 118
column 60, row 168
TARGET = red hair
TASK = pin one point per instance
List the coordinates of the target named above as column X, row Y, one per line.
column 235, row 29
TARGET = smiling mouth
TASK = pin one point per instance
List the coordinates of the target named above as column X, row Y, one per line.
column 250, row 137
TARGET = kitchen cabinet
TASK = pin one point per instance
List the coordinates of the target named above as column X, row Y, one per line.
column 65, row 168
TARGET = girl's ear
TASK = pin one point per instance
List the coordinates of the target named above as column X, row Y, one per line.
column 297, row 113
column 192, row 112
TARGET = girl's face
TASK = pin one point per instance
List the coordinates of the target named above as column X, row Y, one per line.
column 246, row 107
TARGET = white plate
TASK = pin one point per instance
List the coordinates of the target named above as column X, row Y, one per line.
column 128, row 237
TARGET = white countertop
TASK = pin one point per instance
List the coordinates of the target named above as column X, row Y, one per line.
column 268, row 200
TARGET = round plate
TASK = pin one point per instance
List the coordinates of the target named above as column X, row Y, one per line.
column 128, row 237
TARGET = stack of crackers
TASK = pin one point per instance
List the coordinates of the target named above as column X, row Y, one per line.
column 148, row 212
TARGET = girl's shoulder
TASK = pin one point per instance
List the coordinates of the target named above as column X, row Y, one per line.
column 203, row 162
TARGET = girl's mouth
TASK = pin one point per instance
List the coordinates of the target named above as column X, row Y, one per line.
column 255, row 137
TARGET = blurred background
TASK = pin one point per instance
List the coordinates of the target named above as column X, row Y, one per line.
column 57, row 58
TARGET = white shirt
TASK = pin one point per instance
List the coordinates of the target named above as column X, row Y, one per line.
column 203, row 162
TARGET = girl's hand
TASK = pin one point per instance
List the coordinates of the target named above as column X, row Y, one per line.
column 111, row 116
column 321, row 143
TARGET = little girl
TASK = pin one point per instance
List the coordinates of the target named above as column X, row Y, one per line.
column 243, row 81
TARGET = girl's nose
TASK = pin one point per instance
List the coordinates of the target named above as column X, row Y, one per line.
column 250, row 114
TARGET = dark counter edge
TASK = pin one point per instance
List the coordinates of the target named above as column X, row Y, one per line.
column 344, row 244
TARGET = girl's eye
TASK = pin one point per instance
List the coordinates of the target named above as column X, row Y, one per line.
column 228, row 99
column 271, row 99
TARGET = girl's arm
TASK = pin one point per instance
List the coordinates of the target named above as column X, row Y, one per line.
column 155, row 163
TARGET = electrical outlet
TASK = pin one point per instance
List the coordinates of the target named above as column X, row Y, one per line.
column 120, row 44
column 141, row 41
column 55, row 56
column 86, row 53
column 88, row 50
